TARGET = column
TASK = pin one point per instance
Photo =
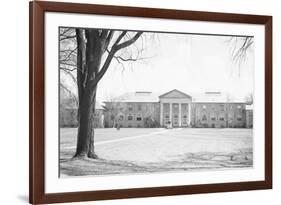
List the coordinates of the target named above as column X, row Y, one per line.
column 179, row 114
column 189, row 113
column 171, row 117
column 161, row 114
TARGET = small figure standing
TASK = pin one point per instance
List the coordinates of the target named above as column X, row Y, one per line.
column 117, row 126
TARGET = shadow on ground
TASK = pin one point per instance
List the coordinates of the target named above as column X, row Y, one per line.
column 186, row 162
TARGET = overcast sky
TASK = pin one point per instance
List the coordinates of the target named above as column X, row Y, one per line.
column 189, row 63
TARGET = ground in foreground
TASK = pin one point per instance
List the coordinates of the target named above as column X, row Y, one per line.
column 132, row 150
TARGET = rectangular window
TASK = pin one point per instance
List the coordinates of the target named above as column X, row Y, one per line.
column 213, row 116
column 130, row 117
column 139, row 118
column 139, row 107
column 221, row 117
column 184, row 119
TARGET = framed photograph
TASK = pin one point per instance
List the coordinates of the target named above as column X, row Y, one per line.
column 132, row 102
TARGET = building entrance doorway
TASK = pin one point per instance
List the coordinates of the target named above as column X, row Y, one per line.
column 175, row 120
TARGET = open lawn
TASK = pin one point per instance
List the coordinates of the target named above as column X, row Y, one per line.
column 140, row 150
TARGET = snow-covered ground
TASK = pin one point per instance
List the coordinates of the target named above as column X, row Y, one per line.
column 131, row 150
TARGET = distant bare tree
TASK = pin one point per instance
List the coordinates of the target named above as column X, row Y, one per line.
column 68, row 106
column 229, row 98
column 112, row 107
column 249, row 98
column 240, row 48
column 148, row 116
column 68, row 94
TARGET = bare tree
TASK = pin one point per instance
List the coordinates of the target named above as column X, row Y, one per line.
column 240, row 47
column 249, row 98
column 229, row 98
column 68, row 106
column 148, row 116
column 86, row 54
column 112, row 107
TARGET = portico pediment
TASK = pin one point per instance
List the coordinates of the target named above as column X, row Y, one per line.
column 175, row 94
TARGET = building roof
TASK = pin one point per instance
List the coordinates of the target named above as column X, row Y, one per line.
column 140, row 96
column 174, row 94
column 215, row 97
column 207, row 97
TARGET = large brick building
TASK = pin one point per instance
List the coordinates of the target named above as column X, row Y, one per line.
column 176, row 109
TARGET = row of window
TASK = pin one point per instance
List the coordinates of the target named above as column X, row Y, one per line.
column 204, row 107
column 130, row 108
column 167, row 116
column 222, row 107
column 129, row 125
column 130, row 117
column 221, row 118
column 175, row 119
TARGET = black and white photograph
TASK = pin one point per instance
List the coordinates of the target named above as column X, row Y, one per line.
column 146, row 102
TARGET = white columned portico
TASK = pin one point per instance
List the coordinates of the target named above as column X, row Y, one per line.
column 189, row 113
column 183, row 111
column 161, row 114
column 171, row 116
column 179, row 114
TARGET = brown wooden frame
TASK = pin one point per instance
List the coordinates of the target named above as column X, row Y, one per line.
column 37, row 9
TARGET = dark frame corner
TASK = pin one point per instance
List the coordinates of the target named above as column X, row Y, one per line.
column 37, row 9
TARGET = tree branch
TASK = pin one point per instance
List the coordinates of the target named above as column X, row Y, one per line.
column 73, row 96
column 119, row 38
column 240, row 47
column 68, row 69
column 116, row 47
column 67, row 37
column 128, row 42
column 71, row 51
column 68, row 64
column 69, row 72
column 104, row 33
column 108, row 38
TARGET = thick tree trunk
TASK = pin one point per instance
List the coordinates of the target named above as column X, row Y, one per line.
column 93, row 53
column 91, row 151
column 85, row 140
